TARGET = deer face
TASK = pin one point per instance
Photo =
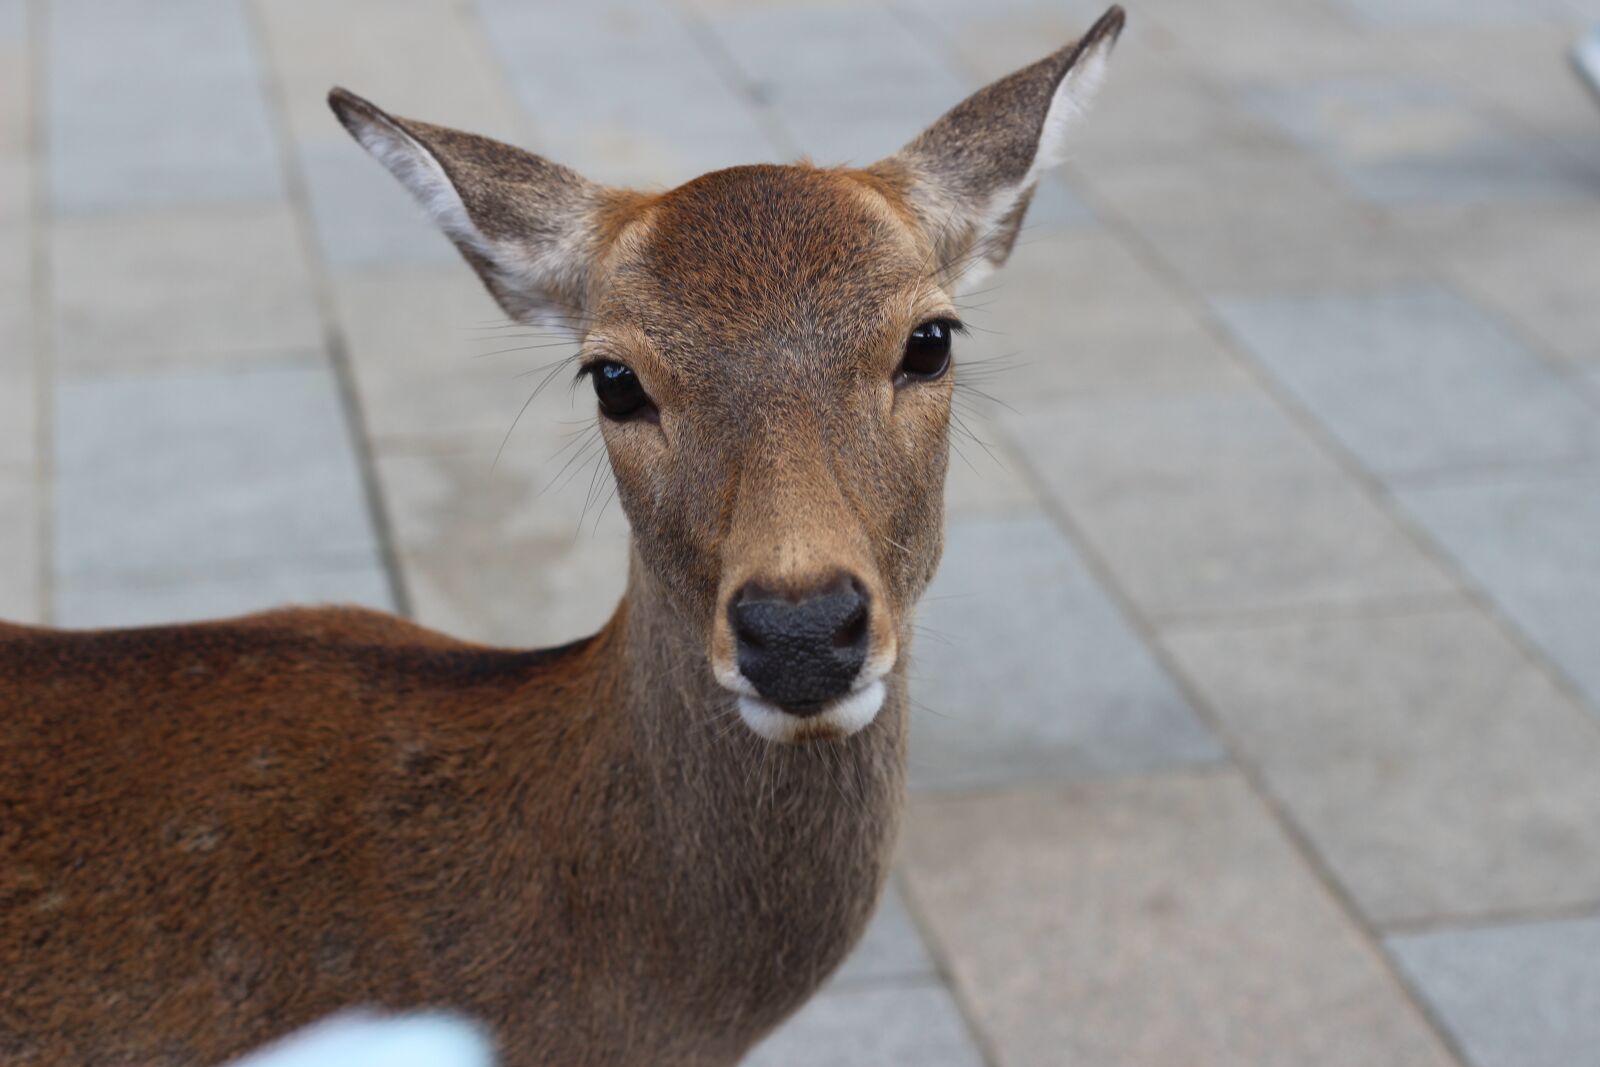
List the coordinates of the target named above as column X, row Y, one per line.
column 771, row 350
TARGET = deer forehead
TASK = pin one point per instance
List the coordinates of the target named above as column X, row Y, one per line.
column 767, row 261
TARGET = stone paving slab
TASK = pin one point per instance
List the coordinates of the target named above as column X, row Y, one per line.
column 532, row 593
column 1075, row 311
column 95, row 602
column 181, row 285
column 1398, row 140
column 1533, row 545
column 1250, row 41
column 19, row 534
column 863, row 86
column 651, row 110
column 913, row 1025
column 1437, row 771
column 184, row 473
column 1025, row 671
column 19, row 427
column 985, row 476
column 434, row 358
column 472, row 498
column 1211, row 500
column 1443, row 13
column 1503, row 259
column 417, row 58
column 364, row 219
column 1417, row 382
column 1260, row 221
column 890, row 951
column 156, row 102
column 1521, row 72
column 1513, row 996
column 506, row 552
column 1150, row 922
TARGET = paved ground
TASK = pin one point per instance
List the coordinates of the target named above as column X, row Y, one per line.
column 1286, row 553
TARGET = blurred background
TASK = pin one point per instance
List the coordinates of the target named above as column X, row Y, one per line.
column 1259, row 713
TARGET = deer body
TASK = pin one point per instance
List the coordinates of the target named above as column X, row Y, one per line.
column 376, row 815
column 647, row 847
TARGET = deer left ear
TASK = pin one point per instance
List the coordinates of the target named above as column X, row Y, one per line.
column 969, row 176
column 532, row 229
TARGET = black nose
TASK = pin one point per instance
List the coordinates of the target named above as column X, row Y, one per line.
column 800, row 654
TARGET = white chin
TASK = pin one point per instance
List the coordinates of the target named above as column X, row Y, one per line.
column 841, row 718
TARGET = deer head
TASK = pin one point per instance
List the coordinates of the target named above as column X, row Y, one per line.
column 771, row 352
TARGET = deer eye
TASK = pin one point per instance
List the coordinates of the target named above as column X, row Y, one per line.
column 927, row 354
column 619, row 392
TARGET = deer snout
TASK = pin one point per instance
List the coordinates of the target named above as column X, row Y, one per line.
column 804, row 660
column 801, row 654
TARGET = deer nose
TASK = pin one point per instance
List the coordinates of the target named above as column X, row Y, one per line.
column 800, row 654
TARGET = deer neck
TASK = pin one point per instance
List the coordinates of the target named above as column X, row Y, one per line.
column 783, row 849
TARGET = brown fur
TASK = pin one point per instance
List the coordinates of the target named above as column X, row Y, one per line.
column 213, row 834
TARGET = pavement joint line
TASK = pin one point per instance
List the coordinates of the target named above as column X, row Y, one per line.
column 242, row 362
column 1221, row 767
column 943, row 972
column 1492, row 920
column 42, row 328
column 297, row 195
column 726, row 66
column 1381, row 606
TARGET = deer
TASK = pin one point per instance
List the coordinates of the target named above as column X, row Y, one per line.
column 650, row 845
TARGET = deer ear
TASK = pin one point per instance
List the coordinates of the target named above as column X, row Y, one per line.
column 969, row 176
column 532, row 229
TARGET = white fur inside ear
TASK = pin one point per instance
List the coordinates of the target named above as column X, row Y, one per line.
column 421, row 173
column 1073, row 96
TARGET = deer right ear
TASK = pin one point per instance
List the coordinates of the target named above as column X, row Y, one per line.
column 530, row 228
column 969, row 176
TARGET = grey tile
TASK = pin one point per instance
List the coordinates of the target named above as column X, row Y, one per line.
column 1436, row 770
column 373, row 47
column 623, row 93
column 985, row 476
column 1533, row 265
column 1150, row 922
column 531, row 592
column 1255, row 220
column 19, row 425
column 185, row 285
column 1416, row 381
column 1253, row 41
column 1400, row 141
column 1074, row 311
column 851, row 82
column 20, row 563
column 890, row 951
column 1025, row 670
column 1520, row 73
column 13, row 23
column 1444, row 13
column 1210, row 500
column 508, row 552
column 364, row 219
column 181, row 472
column 911, row 1026
column 472, row 497
column 1534, row 546
column 434, row 357
column 93, row 603
column 1513, row 996
column 156, row 102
